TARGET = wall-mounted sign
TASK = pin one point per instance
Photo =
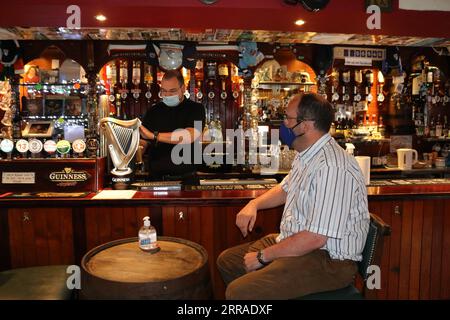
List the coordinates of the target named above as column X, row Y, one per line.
column 18, row 177
column 375, row 54
column 69, row 175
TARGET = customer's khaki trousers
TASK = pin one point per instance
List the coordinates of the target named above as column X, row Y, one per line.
column 283, row 278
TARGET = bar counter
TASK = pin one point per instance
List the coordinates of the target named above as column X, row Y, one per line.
column 219, row 197
column 44, row 231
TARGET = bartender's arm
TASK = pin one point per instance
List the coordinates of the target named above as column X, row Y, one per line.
column 185, row 136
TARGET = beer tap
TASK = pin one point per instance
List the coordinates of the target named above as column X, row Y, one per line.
column 322, row 83
column 148, row 80
column 345, row 95
column 199, row 76
column 111, row 79
column 380, row 94
column 123, row 90
column 358, row 81
column 369, row 81
column 334, row 89
column 136, row 79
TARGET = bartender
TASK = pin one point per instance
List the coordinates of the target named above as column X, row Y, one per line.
column 173, row 112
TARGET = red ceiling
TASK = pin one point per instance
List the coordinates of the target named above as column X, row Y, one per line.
column 340, row 16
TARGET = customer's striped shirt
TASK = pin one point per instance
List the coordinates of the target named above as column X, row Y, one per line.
column 326, row 194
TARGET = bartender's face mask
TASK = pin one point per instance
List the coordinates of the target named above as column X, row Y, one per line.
column 171, row 92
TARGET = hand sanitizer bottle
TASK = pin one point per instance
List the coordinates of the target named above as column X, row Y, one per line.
column 147, row 236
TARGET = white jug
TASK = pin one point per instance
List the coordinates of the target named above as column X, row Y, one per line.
column 406, row 159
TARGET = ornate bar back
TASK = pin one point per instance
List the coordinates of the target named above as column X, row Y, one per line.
column 372, row 253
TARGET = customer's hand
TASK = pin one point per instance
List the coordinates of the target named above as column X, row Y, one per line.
column 245, row 219
column 251, row 263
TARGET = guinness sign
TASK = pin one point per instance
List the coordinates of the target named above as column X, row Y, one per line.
column 69, row 175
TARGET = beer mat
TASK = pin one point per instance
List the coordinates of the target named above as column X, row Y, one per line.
column 48, row 195
column 114, row 194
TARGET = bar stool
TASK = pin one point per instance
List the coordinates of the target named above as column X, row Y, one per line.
column 371, row 255
column 35, row 283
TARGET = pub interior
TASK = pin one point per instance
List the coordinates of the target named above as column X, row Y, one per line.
column 75, row 183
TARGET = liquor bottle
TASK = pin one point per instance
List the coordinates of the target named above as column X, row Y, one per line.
column 381, row 128
column 373, row 124
column 438, row 127
column 426, row 131
column 338, row 127
column 332, row 129
column 346, row 128
column 432, row 129
column 445, row 131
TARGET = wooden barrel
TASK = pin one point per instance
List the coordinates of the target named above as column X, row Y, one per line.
column 120, row 270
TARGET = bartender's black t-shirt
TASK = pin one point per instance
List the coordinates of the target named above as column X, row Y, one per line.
column 162, row 118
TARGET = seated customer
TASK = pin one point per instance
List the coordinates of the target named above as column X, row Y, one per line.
column 325, row 219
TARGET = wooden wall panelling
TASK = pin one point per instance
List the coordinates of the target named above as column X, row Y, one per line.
column 40, row 236
column 445, row 289
column 196, row 224
column 426, row 256
column 436, row 250
column 416, row 249
column 5, row 253
column 395, row 248
column 376, row 208
column 405, row 250
column 79, row 233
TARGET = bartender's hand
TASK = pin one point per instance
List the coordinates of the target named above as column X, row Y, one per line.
column 245, row 219
column 251, row 263
column 147, row 134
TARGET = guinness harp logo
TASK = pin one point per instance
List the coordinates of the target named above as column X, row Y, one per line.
column 69, row 175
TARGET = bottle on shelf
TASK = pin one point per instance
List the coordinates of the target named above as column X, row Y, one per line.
column 381, row 128
column 432, row 129
column 445, row 131
column 438, row 127
column 332, row 129
column 147, row 237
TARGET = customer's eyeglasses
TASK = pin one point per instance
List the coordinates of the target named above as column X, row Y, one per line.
column 300, row 120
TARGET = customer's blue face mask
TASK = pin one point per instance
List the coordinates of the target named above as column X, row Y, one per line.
column 171, row 101
column 287, row 135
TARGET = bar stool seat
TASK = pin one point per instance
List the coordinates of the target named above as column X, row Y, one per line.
column 35, row 283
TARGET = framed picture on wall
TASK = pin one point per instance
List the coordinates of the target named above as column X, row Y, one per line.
column 38, row 129
column 33, row 107
column 74, row 106
column 53, row 105
column 32, row 74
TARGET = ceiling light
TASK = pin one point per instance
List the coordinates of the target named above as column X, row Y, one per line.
column 300, row 22
column 100, row 17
